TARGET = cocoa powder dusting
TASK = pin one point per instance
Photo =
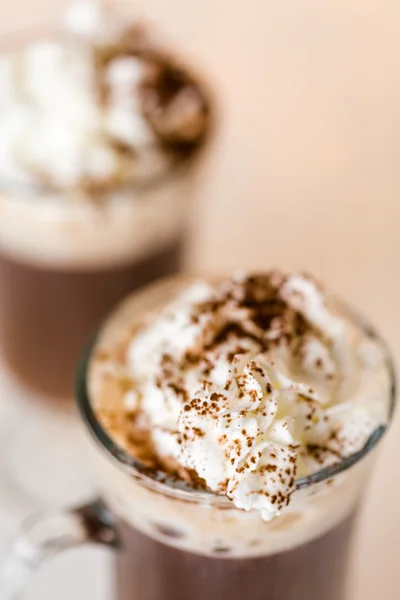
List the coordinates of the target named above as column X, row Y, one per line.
column 243, row 311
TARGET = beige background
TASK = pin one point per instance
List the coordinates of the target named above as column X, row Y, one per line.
column 304, row 174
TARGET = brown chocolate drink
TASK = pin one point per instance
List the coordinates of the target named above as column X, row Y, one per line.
column 187, row 368
column 317, row 570
column 47, row 315
column 95, row 203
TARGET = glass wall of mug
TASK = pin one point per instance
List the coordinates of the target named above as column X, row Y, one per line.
column 179, row 543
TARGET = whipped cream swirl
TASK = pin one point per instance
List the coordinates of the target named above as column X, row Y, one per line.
column 95, row 105
column 249, row 383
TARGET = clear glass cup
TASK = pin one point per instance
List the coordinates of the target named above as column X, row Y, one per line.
column 173, row 543
column 66, row 258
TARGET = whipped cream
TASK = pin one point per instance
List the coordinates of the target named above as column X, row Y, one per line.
column 95, row 106
column 245, row 385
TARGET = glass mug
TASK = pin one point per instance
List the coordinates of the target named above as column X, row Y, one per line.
column 172, row 543
column 66, row 257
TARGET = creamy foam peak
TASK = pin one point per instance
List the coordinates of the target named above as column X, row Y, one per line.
column 244, row 385
column 95, row 106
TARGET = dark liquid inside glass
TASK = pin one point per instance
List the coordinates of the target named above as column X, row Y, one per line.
column 150, row 570
column 47, row 315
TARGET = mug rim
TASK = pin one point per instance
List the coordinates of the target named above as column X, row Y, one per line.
column 159, row 481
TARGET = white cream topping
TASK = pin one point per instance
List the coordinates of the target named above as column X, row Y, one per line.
column 56, row 128
column 252, row 383
column 88, row 178
column 52, row 126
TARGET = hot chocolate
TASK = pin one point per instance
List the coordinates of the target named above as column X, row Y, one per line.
column 100, row 137
column 161, row 572
column 234, row 402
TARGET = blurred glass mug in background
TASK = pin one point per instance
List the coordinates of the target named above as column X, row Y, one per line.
column 100, row 141
column 178, row 541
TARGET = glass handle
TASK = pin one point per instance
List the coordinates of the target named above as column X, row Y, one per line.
column 46, row 534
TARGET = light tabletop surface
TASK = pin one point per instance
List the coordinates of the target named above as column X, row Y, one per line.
column 304, row 174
